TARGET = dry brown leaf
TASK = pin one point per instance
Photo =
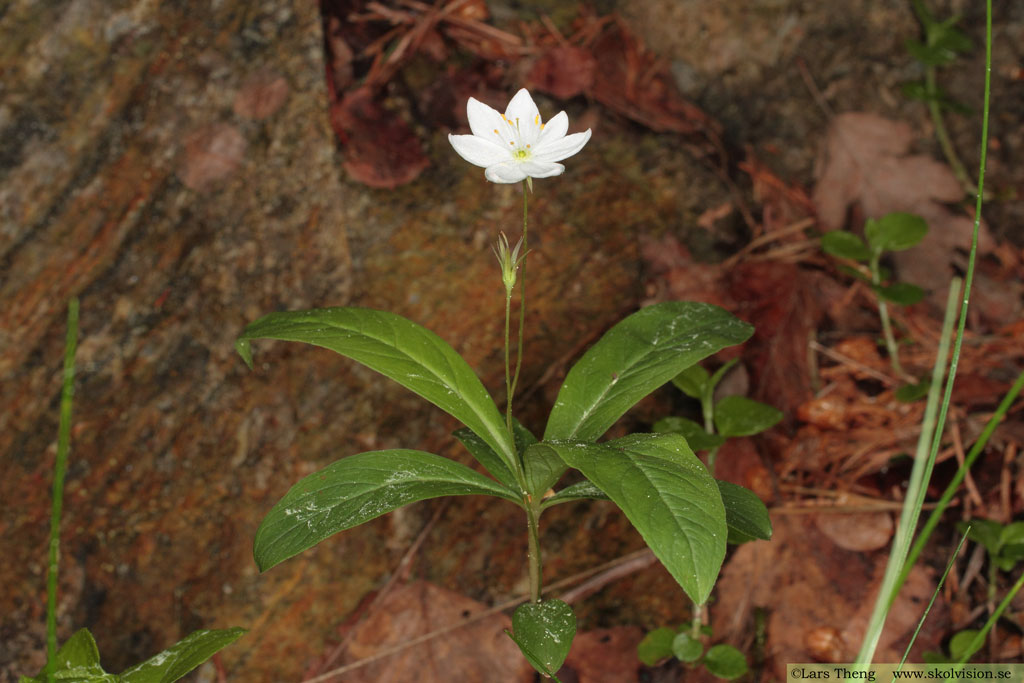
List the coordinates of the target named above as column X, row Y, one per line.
column 212, row 153
column 261, row 95
column 818, row 598
column 783, row 303
column 564, row 71
column 864, row 162
column 478, row 652
column 380, row 148
column 606, row 655
column 856, row 530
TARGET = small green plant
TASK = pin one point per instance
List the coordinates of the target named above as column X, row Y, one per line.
column 723, row 661
column 78, row 659
column 962, row 646
column 669, row 496
column 730, row 417
column 943, row 44
column 1004, row 544
column 893, row 232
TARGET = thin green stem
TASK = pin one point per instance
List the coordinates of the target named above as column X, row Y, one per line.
column 954, row 484
column 508, row 370
column 883, row 314
column 59, row 472
column 533, row 548
column 522, row 300
column 897, row 555
column 915, row 490
column 931, row 602
column 941, row 134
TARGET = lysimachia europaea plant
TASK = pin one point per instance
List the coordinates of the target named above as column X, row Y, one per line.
column 895, row 231
column 656, row 480
column 78, row 659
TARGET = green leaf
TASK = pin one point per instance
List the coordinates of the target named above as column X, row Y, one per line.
column 929, row 55
column 745, row 514
column 693, row 381
column 908, row 393
column 944, row 35
column 656, row 646
column 486, row 456
column 687, row 649
column 853, row 272
column 185, row 655
column 635, row 357
column 695, row 436
column 740, row 416
column 986, row 532
column 543, row 468
column 583, row 490
column 895, row 231
column 667, row 494
column 845, row 245
column 960, row 645
column 544, row 632
column 902, row 293
column 726, row 662
column 77, row 661
column 357, row 489
column 1012, row 534
column 400, row 349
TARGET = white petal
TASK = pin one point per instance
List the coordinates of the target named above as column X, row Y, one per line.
column 541, row 169
column 484, row 121
column 522, row 107
column 477, row 151
column 554, row 129
column 505, row 172
column 563, row 148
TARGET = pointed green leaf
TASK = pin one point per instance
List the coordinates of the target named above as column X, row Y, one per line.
column 726, row 662
column 357, row 489
column 984, row 531
column 845, row 245
column 741, row 416
column 635, row 357
column 668, row 496
column 486, row 456
column 902, row 293
column 895, row 231
column 543, row 469
column 582, row 490
column 77, row 661
column 544, row 632
column 656, row 646
column 908, row 393
column 397, row 348
column 693, row 381
column 745, row 514
column 695, row 436
column 185, row 655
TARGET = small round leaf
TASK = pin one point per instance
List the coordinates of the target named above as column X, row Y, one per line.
column 726, row 662
column 687, row 649
column 656, row 646
column 740, row 416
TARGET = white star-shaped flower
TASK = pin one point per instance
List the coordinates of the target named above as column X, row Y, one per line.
column 515, row 146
